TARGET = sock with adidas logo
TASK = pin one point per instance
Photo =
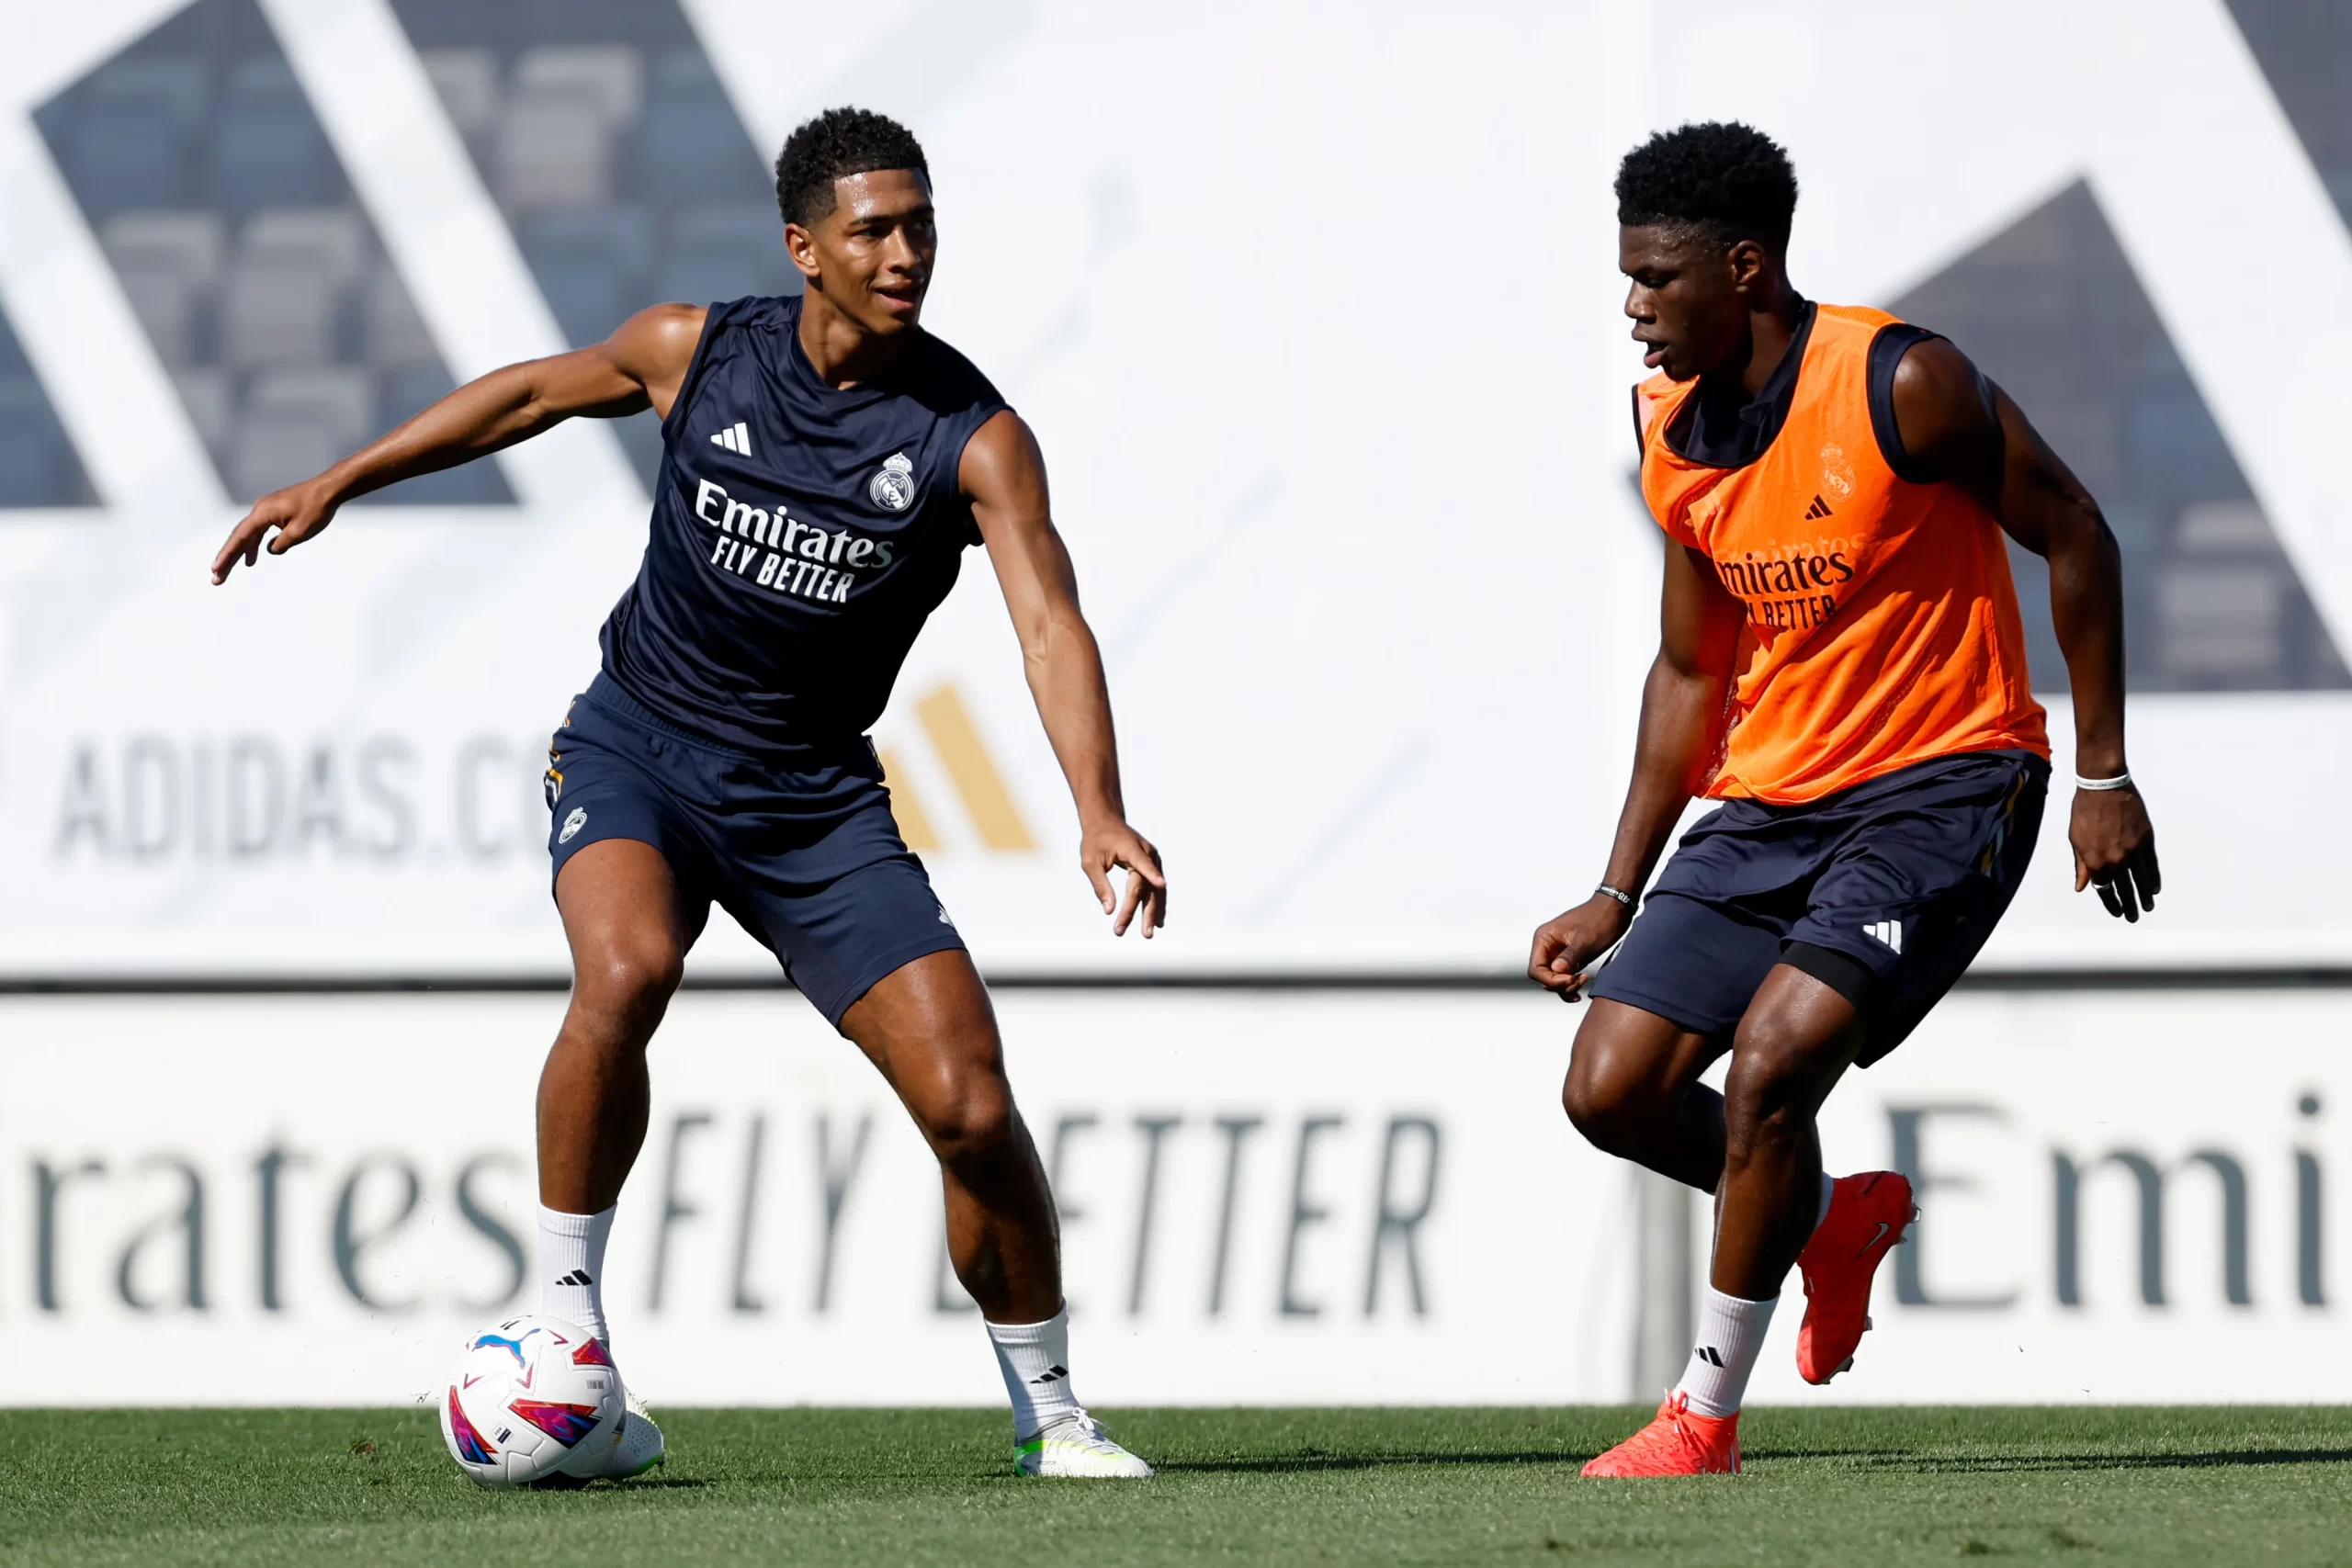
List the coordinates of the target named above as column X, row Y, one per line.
column 571, row 1267
column 1731, row 1336
column 1034, row 1360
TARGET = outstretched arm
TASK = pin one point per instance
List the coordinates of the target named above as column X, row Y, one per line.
column 1964, row 429
column 1004, row 475
column 1682, row 713
column 640, row 367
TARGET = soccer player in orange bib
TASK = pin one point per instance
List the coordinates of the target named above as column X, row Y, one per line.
column 1841, row 665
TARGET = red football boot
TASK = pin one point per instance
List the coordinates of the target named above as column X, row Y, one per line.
column 1868, row 1215
column 1680, row 1441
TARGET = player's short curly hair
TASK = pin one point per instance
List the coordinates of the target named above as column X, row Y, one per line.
column 1728, row 179
column 833, row 146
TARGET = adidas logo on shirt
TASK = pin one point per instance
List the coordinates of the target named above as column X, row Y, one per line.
column 1813, row 514
column 1886, row 933
column 736, row 438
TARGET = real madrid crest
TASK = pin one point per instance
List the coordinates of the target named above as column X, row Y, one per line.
column 893, row 486
column 1836, row 474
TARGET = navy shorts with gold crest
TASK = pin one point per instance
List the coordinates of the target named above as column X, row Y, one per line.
column 803, row 852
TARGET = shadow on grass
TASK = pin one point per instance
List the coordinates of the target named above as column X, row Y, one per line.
column 1903, row 1460
column 1995, row 1464
column 1314, row 1460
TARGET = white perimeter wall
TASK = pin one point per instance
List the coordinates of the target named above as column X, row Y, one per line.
column 1505, row 1273
column 1315, row 311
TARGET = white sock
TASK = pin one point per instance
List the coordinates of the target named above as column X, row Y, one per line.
column 1034, row 1360
column 1731, row 1336
column 571, row 1267
column 1828, row 1191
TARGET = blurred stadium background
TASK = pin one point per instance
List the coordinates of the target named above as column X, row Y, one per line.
column 1319, row 326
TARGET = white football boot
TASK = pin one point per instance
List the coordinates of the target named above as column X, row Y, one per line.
column 640, row 1446
column 1077, row 1446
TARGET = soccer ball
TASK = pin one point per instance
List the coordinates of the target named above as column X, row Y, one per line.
column 536, row 1402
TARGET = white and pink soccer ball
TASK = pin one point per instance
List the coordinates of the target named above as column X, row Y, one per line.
column 534, row 1402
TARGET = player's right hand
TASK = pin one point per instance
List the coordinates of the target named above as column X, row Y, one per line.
column 1112, row 845
column 1566, row 945
column 297, row 513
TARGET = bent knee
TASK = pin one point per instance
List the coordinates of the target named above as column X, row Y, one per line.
column 966, row 1114
column 1615, row 1115
column 627, row 985
column 1773, row 1051
column 1782, row 1070
column 1625, row 1076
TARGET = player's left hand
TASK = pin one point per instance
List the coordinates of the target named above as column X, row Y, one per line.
column 1117, row 844
column 2115, row 850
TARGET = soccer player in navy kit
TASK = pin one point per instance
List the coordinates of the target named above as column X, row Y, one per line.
column 826, row 464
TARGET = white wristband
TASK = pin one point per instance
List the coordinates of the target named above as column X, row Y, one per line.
column 2121, row 781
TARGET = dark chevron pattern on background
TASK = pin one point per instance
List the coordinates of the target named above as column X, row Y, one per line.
column 2306, row 48
column 38, row 464
column 604, row 137
column 259, row 279
column 2051, row 309
column 602, row 134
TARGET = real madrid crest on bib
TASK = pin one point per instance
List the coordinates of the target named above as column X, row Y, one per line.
column 893, row 488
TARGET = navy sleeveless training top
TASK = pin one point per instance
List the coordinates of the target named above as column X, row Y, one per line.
column 801, row 535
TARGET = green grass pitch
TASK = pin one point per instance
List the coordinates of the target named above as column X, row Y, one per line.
column 2084, row 1486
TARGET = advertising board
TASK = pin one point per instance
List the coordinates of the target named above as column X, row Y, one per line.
column 1307, row 1197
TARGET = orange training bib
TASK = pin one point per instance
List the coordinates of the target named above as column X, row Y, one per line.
column 1882, row 623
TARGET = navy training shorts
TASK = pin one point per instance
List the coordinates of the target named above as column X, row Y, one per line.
column 1885, row 891
column 804, row 854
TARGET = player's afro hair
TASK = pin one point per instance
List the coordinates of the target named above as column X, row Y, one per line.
column 833, row 146
column 1727, row 179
